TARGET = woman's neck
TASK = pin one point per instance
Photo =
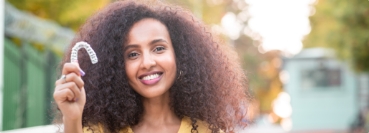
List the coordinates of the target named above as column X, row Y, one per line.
column 158, row 116
column 158, row 110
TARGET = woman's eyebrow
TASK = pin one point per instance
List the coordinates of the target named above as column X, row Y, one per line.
column 158, row 40
column 130, row 46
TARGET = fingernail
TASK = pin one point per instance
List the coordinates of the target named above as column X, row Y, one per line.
column 82, row 72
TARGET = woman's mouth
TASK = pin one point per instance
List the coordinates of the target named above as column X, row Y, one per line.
column 151, row 78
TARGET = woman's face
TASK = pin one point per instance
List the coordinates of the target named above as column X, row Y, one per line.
column 149, row 58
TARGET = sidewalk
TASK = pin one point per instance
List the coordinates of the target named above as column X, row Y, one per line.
column 37, row 129
column 262, row 125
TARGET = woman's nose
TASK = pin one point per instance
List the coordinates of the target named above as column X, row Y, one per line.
column 148, row 61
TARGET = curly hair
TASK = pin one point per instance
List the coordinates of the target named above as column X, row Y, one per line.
column 211, row 87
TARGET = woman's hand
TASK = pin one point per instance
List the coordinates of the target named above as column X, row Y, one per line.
column 70, row 96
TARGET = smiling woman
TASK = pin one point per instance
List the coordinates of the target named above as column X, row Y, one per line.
column 159, row 70
column 149, row 58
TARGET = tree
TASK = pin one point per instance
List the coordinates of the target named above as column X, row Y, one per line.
column 343, row 26
column 67, row 13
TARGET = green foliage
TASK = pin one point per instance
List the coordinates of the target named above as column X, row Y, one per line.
column 68, row 13
column 343, row 26
column 262, row 71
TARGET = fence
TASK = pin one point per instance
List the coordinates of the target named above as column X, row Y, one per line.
column 29, row 77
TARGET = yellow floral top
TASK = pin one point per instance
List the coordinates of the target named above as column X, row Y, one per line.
column 185, row 127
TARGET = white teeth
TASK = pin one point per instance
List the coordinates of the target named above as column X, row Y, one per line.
column 150, row 77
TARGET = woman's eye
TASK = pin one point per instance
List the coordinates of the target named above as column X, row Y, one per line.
column 158, row 49
column 132, row 55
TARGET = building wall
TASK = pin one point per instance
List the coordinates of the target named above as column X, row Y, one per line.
column 321, row 107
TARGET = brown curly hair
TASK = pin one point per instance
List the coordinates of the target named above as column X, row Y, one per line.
column 211, row 86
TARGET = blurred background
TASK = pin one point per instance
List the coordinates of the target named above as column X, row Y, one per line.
column 307, row 60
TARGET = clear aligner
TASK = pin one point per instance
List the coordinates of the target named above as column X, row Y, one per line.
column 90, row 51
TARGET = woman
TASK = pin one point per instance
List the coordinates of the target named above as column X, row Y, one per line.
column 159, row 70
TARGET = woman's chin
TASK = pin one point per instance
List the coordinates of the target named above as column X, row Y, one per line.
column 153, row 94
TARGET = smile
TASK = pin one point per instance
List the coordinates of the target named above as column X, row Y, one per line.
column 151, row 78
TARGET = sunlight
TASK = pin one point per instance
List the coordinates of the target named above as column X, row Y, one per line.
column 282, row 106
column 231, row 26
column 281, row 24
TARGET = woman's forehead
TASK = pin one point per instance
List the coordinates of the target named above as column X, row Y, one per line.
column 147, row 29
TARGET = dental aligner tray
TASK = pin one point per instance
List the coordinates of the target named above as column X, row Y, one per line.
column 90, row 51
